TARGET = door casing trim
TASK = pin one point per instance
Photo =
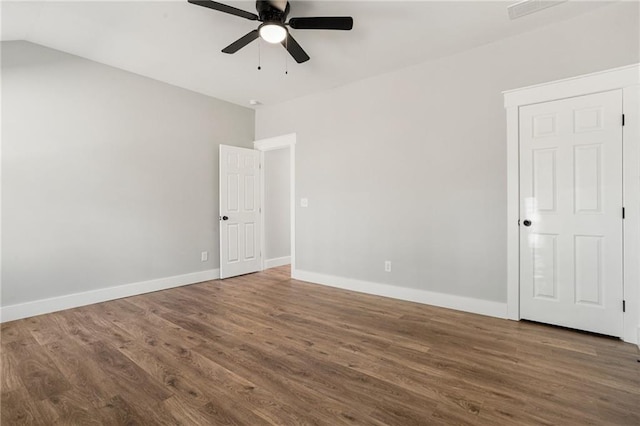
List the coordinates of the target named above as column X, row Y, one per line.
column 626, row 78
column 270, row 144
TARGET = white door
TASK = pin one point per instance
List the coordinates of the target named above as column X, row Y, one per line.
column 239, row 211
column 571, row 213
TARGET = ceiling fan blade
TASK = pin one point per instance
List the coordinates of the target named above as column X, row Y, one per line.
column 241, row 42
column 280, row 4
column 324, row 23
column 295, row 49
column 226, row 9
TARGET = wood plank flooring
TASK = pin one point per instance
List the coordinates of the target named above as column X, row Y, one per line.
column 265, row 349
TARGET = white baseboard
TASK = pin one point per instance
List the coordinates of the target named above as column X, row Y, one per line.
column 45, row 306
column 476, row 306
column 278, row 261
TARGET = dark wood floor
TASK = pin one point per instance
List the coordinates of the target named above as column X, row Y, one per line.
column 264, row 349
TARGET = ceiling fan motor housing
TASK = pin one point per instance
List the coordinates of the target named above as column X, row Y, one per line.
column 270, row 13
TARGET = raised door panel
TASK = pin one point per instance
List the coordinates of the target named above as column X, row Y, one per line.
column 587, row 185
column 588, row 270
column 545, row 185
column 545, row 265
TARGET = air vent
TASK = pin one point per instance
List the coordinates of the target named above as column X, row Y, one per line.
column 527, row 7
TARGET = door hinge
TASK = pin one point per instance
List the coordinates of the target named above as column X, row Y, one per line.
column 624, row 306
column 623, row 213
column 623, row 119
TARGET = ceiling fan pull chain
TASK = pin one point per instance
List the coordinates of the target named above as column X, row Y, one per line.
column 259, row 44
column 286, row 56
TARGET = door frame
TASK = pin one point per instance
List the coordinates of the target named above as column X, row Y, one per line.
column 270, row 144
column 626, row 78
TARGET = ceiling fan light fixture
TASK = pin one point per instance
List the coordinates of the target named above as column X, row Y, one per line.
column 273, row 33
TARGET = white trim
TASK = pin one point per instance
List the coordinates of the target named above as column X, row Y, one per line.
column 1, row 217
column 263, row 190
column 631, row 201
column 277, row 261
column 270, row 144
column 628, row 79
column 276, row 142
column 45, row 306
column 600, row 81
column 513, row 215
column 460, row 303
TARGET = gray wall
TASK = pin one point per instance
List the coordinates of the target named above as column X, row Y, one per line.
column 108, row 177
column 277, row 204
column 411, row 166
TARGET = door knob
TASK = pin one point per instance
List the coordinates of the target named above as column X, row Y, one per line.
column 526, row 222
column 225, row 217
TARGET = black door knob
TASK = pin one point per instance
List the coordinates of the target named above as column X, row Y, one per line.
column 526, row 222
column 225, row 217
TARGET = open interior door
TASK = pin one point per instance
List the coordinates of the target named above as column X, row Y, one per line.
column 239, row 211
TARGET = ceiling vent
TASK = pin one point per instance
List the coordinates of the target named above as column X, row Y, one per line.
column 527, row 7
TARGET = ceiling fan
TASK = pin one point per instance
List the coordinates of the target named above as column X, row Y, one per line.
column 273, row 29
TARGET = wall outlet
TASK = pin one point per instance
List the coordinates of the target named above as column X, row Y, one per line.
column 387, row 266
column 304, row 202
column 204, row 256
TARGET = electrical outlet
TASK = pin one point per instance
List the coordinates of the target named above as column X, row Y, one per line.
column 387, row 266
column 204, row 256
column 304, row 202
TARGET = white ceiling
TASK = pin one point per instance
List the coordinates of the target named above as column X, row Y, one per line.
column 179, row 43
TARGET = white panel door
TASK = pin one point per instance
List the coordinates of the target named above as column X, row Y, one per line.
column 571, row 213
column 239, row 211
